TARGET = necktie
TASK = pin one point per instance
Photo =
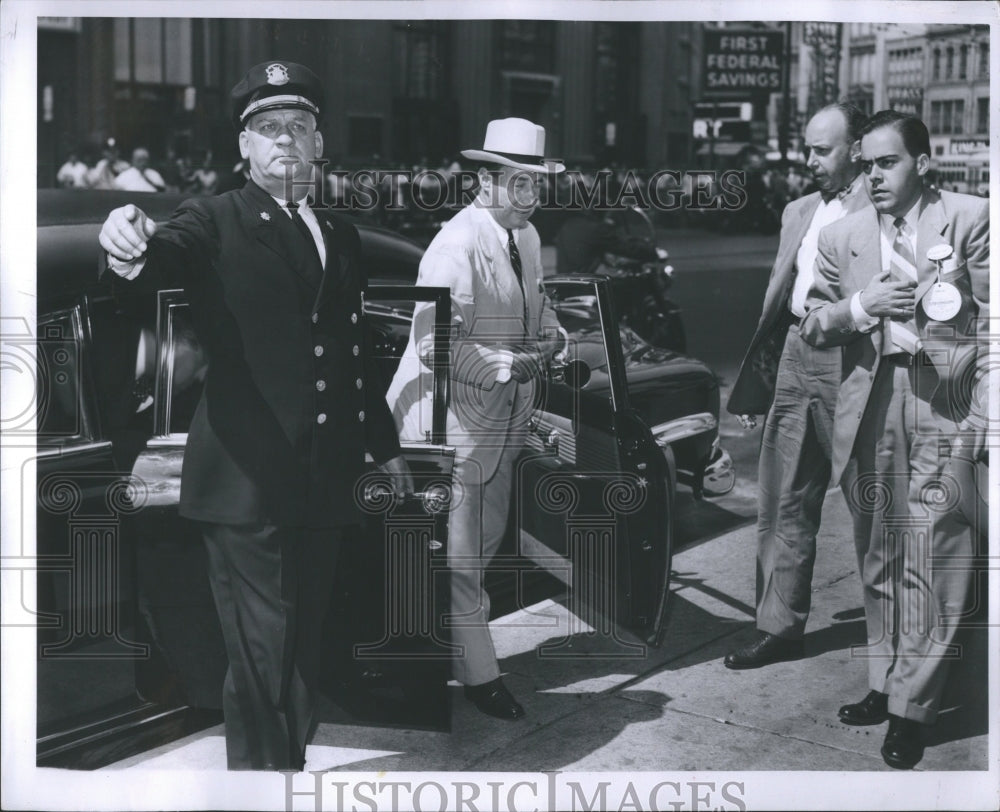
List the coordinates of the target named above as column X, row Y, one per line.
column 515, row 263
column 515, row 258
column 300, row 224
column 903, row 333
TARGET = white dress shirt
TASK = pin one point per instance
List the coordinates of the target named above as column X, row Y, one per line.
column 827, row 212
column 309, row 218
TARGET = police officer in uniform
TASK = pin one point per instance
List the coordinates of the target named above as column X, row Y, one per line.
column 279, row 436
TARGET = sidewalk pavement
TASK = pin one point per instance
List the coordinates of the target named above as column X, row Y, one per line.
column 606, row 705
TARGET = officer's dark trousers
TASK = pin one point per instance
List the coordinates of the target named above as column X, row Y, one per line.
column 272, row 589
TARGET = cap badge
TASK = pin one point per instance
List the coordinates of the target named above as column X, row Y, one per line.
column 277, row 74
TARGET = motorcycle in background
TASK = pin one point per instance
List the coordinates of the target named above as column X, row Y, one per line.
column 641, row 286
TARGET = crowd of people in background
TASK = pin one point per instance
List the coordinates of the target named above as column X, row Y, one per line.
column 137, row 174
column 436, row 194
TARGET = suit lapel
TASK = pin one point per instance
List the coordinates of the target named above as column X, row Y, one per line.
column 494, row 251
column 866, row 261
column 780, row 288
column 932, row 227
column 274, row 229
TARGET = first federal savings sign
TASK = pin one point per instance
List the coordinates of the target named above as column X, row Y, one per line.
column 741, row 63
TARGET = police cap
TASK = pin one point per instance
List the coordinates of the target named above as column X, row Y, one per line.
column 276, row 85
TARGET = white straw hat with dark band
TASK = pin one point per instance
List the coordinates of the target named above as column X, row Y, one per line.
column 515, row 142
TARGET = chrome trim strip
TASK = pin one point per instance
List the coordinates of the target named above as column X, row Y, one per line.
column 66, row 450
column 682, row 427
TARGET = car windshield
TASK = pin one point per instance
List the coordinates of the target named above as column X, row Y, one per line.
column 578, row 310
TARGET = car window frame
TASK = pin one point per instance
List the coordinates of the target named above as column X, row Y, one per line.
column 606, row 314
column 170, row 299
column 89, row 436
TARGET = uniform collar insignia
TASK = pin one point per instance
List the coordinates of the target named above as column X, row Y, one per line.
column 265, row 217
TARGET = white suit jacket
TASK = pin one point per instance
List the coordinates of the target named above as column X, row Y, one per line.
column 489, row 314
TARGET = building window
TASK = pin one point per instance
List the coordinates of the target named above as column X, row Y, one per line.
column 949, row 65
column 963, row 62
column 984, row 60
column 947, row 117
column 421, row 50
column 528, row 45
column 153, row 51
column 983, row 115
column 937, row 63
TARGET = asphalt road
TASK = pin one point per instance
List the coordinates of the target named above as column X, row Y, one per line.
column 719, row 284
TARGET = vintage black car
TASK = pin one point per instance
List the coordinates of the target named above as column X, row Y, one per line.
column 130, row 654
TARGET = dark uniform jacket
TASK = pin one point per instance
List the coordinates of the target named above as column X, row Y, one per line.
column 289, row 404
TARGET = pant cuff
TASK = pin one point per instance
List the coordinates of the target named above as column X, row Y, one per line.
column 907, row 710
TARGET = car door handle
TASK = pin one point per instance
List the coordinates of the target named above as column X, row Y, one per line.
column 434, row 499
column 549, row 437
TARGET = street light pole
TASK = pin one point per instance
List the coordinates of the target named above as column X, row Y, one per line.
column 786, row 103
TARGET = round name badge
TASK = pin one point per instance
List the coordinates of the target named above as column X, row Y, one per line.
column 942, row 301
column 938, row 253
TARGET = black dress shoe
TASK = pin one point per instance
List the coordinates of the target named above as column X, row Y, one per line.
column 493, row 699
column 872, row 710
column 766, row 649
column 903, row 746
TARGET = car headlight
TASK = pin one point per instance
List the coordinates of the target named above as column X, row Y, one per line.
column 720, row 474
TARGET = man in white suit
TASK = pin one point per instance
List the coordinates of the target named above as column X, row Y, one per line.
column 914, row 372
column 489, row 255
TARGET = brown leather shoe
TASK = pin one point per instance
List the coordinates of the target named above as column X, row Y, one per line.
column 903, row 747
column 766, row 649
column 872, row 710
column 493, row 699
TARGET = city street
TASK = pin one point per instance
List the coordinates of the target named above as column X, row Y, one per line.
column 605, row 705
column 266, row 495
column 719, row 283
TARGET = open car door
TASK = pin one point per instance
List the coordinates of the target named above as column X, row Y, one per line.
column 386, row 654
column 594, row 490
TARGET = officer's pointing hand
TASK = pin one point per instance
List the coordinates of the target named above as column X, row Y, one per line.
column 125, row 232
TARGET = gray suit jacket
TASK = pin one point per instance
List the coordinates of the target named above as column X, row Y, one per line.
column 753, row 391
column 850, row 256
column 488, row 315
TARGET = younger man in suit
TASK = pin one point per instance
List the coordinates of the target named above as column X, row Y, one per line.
column 909, row 346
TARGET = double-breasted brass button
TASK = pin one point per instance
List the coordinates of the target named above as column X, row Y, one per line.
column 354, row 318
column 359, row 383
column 318, row 350
column 320, row 385
column 361, row 417
column 356, row 349
column 321, row 418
